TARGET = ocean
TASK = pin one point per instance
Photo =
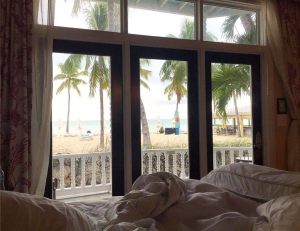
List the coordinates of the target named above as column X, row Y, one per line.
column 94, row 126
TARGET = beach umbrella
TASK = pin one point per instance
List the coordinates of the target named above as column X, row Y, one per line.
column 158, row 122
column 173, row 122
column 79, row 125
column 59, row 124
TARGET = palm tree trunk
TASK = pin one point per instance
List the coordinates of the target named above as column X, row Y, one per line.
column 100, row 61
column 247, row 22
column 145, row 128
column 238, row 134
column 69, row 98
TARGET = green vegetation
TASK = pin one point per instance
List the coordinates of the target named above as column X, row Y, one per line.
column 234, row 143
column 229, row 81
column 70, row 75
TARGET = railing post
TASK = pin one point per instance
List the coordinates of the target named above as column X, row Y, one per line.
column 103, row 161
column 93, row 171
column 175, row 164
column 215, row 158
column 167, row 169
column 150, row 162
column 182, row 174
column 82, row 171
column 158, row 161
column 73, row 175
column 223, row 157
column 231, row 153
column 62, row 173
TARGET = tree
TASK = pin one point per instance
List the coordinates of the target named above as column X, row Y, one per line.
column 248, row 22
column 229, row 81
column 96, row 18
column 144, row 75
column 70, row 75
column 176, row 71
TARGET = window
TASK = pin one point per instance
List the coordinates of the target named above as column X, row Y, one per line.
column 92, row 15
column 222, row 24
column 167, row 18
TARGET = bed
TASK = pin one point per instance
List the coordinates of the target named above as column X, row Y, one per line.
column 234, row 197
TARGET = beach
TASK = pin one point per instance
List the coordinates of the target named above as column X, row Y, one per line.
column 72, row 144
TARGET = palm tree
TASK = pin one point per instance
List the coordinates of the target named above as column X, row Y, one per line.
column 144, row 75
column 229, row 81
column 96, row 18
column 176, row 73
column 248, row 22
column 70, row 75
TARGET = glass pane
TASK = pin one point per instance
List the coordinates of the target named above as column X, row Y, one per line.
column 231, row 115
column 81, row 125
column 166, row 18
column 164, row 117
column 92, row 15
column 221, row 24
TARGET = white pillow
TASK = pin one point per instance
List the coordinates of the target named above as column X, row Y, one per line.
column 282, row 214
column 255, row 181
column 20, row 211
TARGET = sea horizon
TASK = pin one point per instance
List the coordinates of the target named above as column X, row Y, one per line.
column 94, row 126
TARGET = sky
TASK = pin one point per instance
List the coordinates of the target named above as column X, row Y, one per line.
column 140, row 22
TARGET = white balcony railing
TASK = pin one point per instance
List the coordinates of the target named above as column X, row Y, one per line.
column 87, row 174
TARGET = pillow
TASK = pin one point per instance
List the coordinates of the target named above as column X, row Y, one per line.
column 26, row 212
column 255, row 181
column 282, row 214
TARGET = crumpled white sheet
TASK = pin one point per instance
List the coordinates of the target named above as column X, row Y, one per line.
column 150, row 196
column 162, row 201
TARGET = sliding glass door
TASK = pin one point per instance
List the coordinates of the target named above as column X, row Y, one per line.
column 87, row 120
column 165, row 125
column 233, row 109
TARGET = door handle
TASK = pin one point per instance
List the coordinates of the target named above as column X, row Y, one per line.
column 258, row 141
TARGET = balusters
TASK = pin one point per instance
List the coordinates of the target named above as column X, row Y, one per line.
column 231, row 153
column 150, row 162
column 62, row 173
column 167, row 162
column 175, row 164
column 223, row 157
column 73, row 172
column 93, row 170
column 82, row 171
column 103, row 180
column 158, row 161
column 215, row 158
column 182, row 174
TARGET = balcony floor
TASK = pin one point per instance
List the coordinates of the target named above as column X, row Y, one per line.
column 87, row 198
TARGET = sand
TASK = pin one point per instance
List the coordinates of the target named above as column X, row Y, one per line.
column 64, row 145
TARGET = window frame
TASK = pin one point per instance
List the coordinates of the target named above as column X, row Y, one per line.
column 128, row 40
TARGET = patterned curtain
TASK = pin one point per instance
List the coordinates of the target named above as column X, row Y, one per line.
column 283, row 32
column 289, row 13
column 16, row 92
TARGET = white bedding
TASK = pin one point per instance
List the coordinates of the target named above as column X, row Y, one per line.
column 164, row 202
column 160, row 201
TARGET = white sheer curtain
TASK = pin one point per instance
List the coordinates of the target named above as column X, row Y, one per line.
column 42, row 93
column 282, row 56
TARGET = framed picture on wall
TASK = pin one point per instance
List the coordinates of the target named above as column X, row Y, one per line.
column 281, row 106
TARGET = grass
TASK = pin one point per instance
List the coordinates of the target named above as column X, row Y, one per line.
column 234, row 143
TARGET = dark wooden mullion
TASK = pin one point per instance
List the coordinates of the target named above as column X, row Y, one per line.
column 135, row 115
column 193, row 113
